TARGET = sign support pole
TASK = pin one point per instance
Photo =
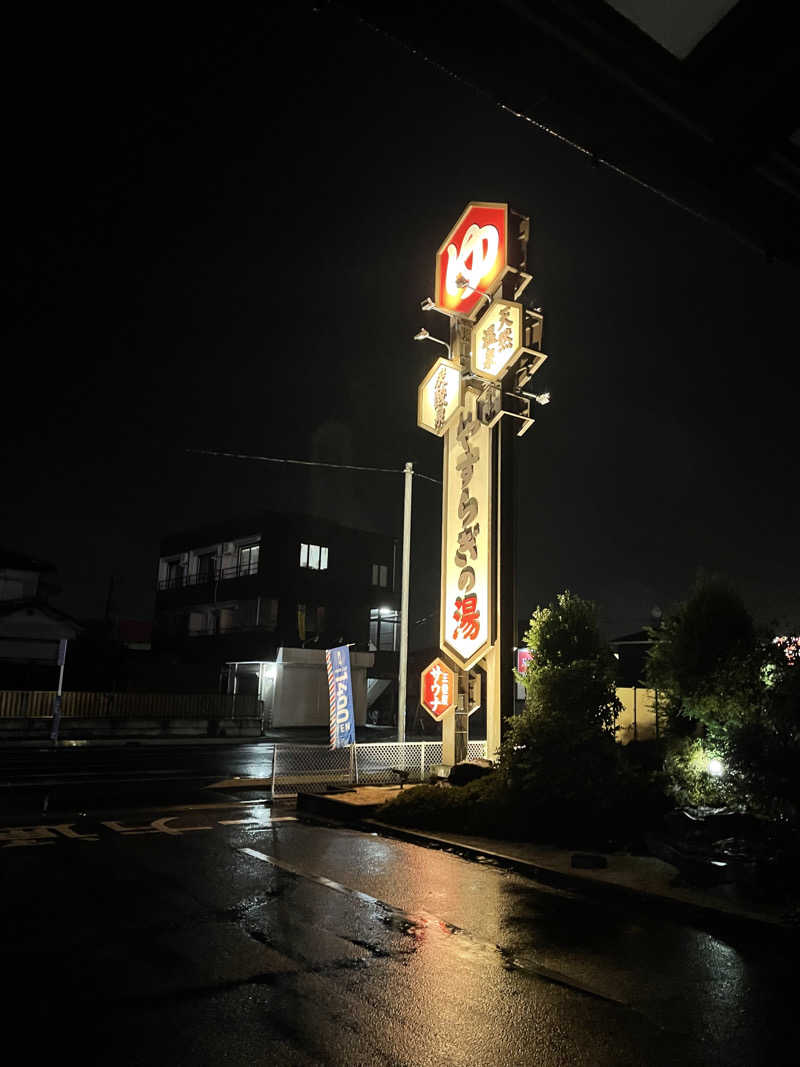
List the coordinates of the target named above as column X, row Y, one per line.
column 461, row 720
column 506, row 588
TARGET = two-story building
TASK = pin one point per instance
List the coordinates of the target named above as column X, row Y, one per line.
column 231, row 594
column 31, row 629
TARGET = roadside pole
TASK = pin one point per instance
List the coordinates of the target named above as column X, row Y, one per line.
column 403, row 666
column 62, row 655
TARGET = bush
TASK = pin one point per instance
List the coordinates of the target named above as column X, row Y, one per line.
column 484, row 807
column 688, row 780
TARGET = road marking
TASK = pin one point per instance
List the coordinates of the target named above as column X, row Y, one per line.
column 48, row 833
column 241, row 782
column 258, row 822
column 425, row 918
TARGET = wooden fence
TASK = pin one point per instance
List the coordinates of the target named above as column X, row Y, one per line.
column 21, row 704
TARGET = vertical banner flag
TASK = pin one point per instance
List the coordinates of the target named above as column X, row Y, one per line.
column 467, row 582
column 340, row 693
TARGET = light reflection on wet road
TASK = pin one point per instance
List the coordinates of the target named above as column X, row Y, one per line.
column 188, row 949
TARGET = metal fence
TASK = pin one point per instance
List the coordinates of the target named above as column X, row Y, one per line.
column 314, row 768
column 21, row 704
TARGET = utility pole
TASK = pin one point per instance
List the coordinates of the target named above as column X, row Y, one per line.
column 403, row 666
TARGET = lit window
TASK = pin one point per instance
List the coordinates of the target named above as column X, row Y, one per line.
column 248, row 559
column 315, row 557
column 384, row 630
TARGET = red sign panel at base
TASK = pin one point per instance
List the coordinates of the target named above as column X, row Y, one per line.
column 438, row 689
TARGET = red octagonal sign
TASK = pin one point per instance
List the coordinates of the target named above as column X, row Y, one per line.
column 472, row 258
column 438, row 689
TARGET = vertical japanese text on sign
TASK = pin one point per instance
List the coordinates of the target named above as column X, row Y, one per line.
column 466, row 539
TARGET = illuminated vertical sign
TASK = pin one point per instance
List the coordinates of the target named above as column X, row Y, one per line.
column 473, row 258
column 467, row 584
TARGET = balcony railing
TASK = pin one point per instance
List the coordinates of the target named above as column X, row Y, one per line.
column 182, row 581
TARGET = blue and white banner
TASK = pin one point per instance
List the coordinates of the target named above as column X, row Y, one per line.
column 340, row 692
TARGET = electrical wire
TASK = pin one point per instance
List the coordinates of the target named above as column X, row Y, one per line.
column 309, row 463
column 597, row 160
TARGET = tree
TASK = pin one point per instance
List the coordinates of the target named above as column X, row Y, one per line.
column 738, row 694
column 560, row 755
column 705, row 660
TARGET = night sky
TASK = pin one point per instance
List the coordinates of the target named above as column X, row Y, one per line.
column 219, row 232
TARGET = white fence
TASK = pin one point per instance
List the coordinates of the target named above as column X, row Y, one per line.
column 22, row 704
column 313, row 768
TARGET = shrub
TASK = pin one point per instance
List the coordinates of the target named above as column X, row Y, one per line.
column 484, row 807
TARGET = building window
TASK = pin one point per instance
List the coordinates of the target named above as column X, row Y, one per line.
column 175, row 573
column 314, row 557
column 380, row 575
column 207, row 567
column 247, row 562
column 310, row 621
column 384, row 630
column 268, row 613
column 232, row 615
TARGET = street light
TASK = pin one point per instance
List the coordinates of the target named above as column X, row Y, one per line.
column 540, row 398
column 423, row 335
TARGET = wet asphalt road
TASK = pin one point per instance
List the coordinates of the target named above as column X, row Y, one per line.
column 237, row 934
column 96, row 778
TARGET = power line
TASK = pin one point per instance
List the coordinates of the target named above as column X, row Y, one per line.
column 590, row 153
column 308, row 463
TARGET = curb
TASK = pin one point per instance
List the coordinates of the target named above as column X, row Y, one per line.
column 333, row 811
column 655, row 902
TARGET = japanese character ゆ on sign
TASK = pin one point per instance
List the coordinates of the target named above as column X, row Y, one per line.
column 472, row 258
column 438, row 689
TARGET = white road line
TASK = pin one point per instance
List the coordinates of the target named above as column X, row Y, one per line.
column 525, row 965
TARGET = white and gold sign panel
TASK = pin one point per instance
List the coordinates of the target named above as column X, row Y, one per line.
column 497, row 339
column 466, row 614
column 439, row 396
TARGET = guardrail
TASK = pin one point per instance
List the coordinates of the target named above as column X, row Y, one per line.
column 313, row 768
column 223, row 574
column 22, row 704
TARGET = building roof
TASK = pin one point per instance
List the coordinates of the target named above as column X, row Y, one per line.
column 640, row 637
column 233, row 527
column 16, row 561
column 28, row 618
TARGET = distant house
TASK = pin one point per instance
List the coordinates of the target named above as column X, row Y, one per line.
column 631, row 653
column 30, row 628
column 231, row 594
